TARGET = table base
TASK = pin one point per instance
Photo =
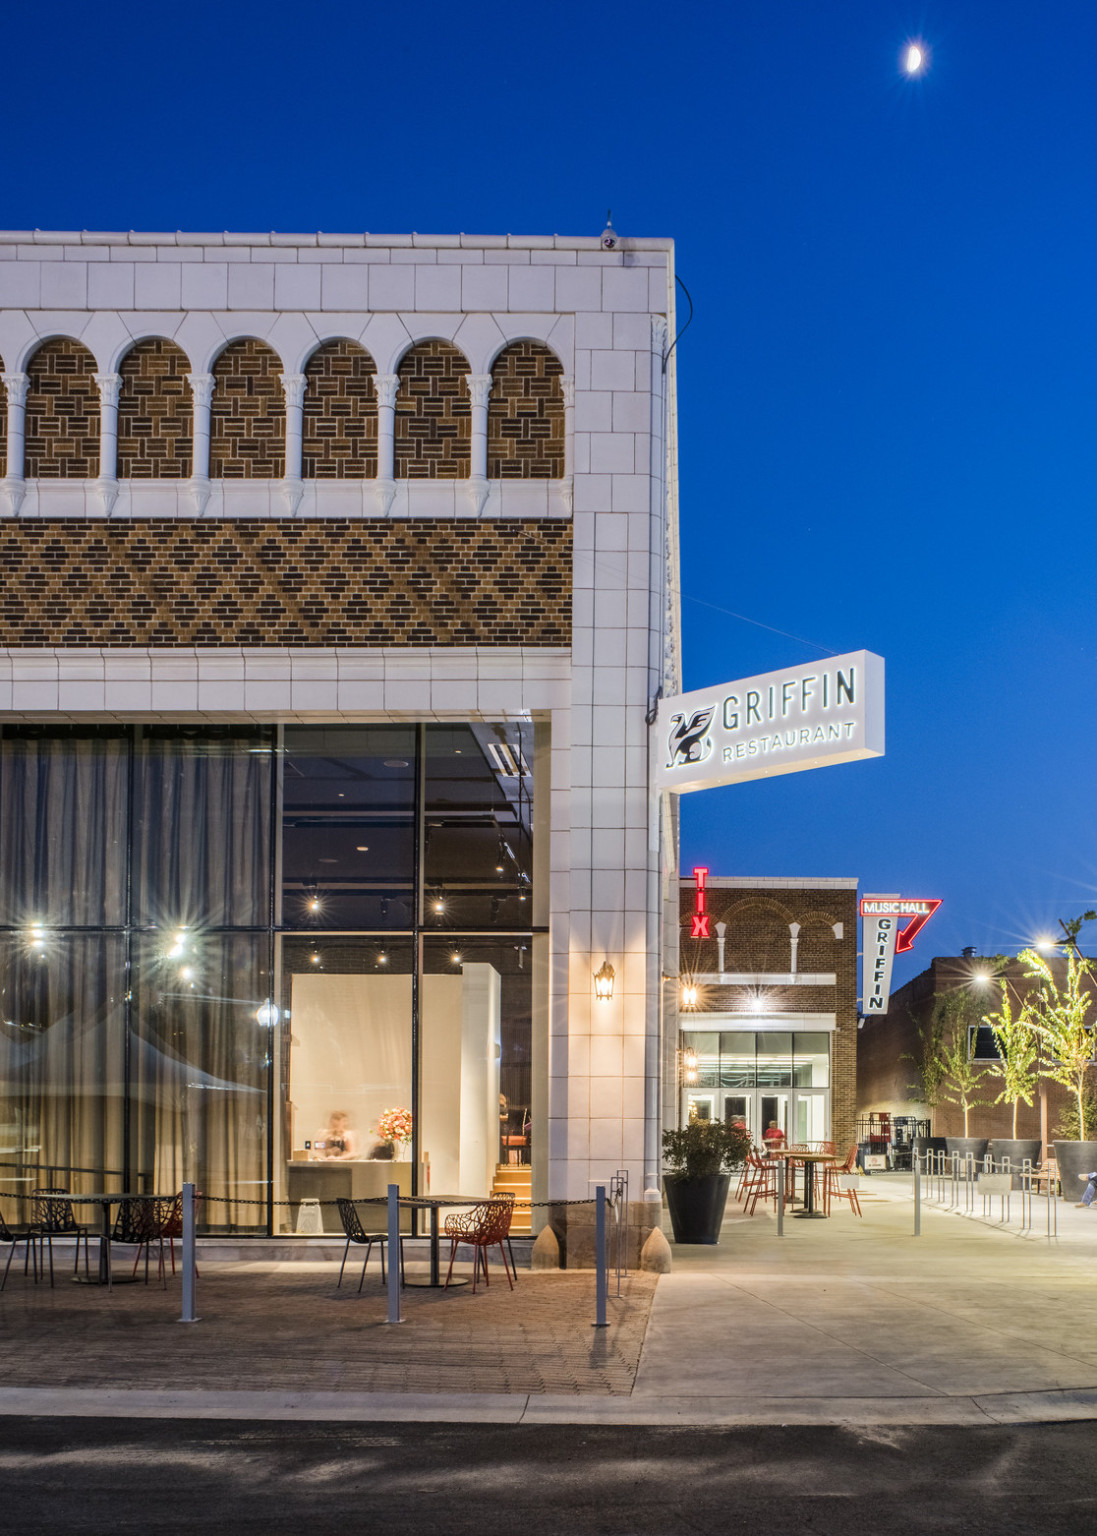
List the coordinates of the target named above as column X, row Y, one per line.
column 435, row 1285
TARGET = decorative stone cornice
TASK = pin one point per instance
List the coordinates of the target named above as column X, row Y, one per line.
column 567, row 390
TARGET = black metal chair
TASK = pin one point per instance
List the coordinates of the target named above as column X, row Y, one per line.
column 355, row 1233
column 53, row 1217
column 138, row 1222
column 13, row 1239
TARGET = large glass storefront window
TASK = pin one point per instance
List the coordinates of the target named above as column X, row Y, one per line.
column 761, row 1078
column 284, row 964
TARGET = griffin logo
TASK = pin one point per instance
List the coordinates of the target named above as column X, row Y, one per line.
column 689, row 740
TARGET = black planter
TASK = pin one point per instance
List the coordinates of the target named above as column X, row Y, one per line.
column 1002, row 1147
column 1075, row 1158
column 924, row 1144
column 967, row 1146
column 696, row 1206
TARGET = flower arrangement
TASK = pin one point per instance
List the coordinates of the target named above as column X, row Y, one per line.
column 394, row 1125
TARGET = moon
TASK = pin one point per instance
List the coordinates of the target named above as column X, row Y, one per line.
column 914, row 59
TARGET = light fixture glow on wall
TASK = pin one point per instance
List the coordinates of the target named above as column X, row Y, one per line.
column 603, row 982
column 689, row 994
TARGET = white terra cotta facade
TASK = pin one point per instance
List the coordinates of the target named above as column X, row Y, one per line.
column 608, row 316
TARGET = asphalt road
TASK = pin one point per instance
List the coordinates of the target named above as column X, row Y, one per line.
column 80, row 1475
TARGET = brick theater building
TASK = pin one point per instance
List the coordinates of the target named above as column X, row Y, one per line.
column 337, row 582
column 768, row 1007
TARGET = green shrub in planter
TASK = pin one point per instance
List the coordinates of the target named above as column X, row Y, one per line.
column 696, row 1183
column 705, row 1147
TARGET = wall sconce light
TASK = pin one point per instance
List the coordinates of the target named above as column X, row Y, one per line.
column 689, row 994
column 687, row 1065
column 603, row 982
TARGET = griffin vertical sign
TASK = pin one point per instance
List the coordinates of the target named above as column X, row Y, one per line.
column 889, row 926
column 878, row 930
column 779, row 722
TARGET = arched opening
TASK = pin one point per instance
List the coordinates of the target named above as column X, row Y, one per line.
column 155, row 413
column 526, row 414
column 247, row 414
column 339, row 427
column 433, row 432
column 62, row 421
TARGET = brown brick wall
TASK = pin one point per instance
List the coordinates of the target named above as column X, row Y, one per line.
column 155, row 413
column 433, row 414
column 429, row 582
column 340, row 419
column 62, row 421
column 526, row 415
column 758, row 939
column 248, row 414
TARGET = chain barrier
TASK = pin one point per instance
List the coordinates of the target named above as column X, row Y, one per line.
column 533, row 1205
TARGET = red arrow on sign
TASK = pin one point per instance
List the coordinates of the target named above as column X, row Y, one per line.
column 905, row 938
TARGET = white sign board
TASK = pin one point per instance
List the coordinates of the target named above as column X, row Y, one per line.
column 878, row 934
column 780, row 722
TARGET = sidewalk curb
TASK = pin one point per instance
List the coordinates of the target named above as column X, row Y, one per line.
column 531, row 1408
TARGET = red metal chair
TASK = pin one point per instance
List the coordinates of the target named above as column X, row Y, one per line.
column 833, row 1173
column 484, row 1227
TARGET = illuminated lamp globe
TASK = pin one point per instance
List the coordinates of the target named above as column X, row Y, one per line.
column 914, row 59
column 689, row 995
column 603, row 982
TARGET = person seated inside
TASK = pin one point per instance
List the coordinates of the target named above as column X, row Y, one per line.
column 337, row 1140
column 773, row 1136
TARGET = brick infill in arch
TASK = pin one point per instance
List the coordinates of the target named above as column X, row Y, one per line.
column 332, row 583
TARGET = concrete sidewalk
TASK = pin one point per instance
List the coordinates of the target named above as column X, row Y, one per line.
column 846, row 1321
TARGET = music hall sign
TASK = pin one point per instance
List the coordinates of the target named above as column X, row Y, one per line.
column 779, row 722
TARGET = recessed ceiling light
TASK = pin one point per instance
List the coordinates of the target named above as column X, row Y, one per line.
column 395, row 762
column 362, row 848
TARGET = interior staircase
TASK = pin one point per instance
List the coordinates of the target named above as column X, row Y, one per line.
column 516, row 1179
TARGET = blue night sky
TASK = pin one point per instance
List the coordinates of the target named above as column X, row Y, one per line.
column 888, row 396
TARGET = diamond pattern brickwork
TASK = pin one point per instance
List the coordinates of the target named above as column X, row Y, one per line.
column 67, row 581
column 340, row 417
column 526, row 415
column 248, row 414
column 154, row 413
column 433, row 414
column 62, row 420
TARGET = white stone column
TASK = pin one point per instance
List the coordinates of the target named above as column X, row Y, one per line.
column 567, row 389
column 110, row 385
column 386, row 385
column 293, row 488
column 14, row 486
column 201, row 388
column 479, row 388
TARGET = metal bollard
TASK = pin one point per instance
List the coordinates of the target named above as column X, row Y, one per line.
column 917, row 1197
column 601, row 1280
column 394, row 1254
column 190, row 1266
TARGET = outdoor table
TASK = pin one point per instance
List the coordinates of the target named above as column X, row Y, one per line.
column 104, row 1201
column 434, row 1203
column 809, row 1159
